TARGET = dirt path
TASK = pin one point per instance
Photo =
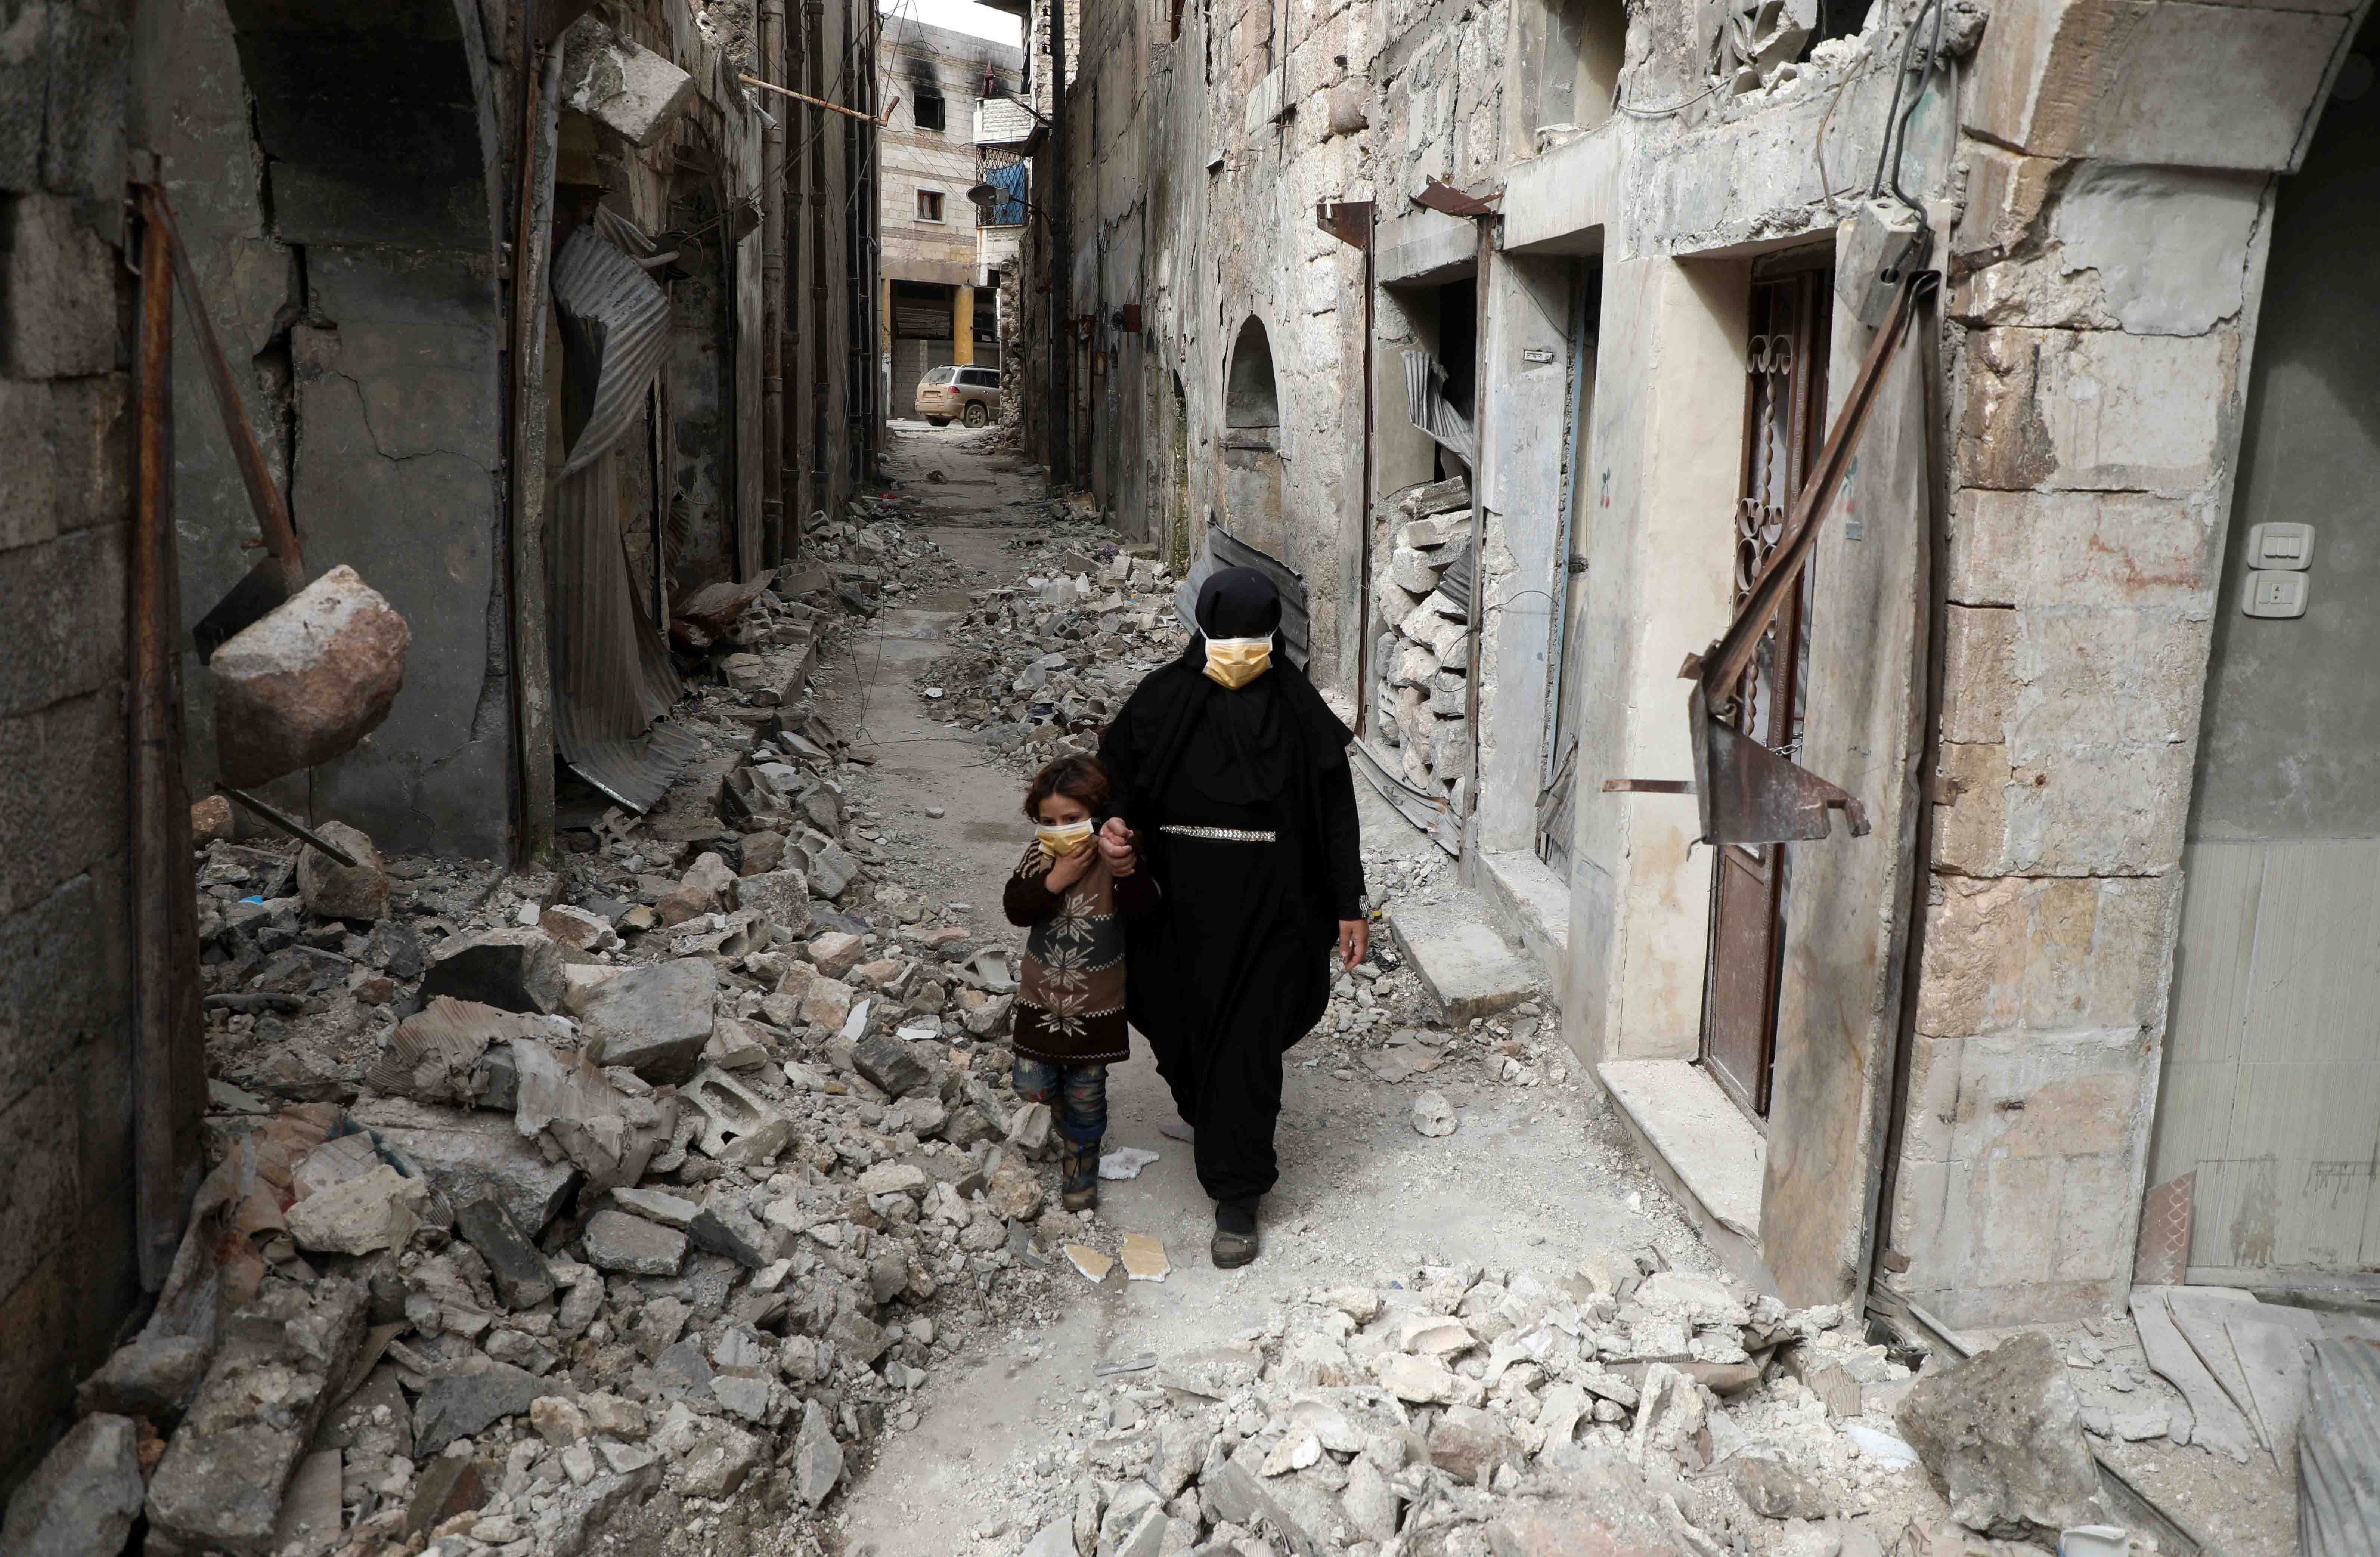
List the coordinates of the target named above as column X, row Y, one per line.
column 1362, row 1197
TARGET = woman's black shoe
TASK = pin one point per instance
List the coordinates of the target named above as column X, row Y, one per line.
column 1235, row 1234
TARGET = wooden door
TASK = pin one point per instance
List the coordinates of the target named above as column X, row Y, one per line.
column 1783, row 426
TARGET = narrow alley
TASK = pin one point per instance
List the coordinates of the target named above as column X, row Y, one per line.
column 1779, row 581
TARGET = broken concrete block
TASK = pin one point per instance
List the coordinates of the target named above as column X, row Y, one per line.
column 519, row 1272
column 433, row 1056
column 342, row 892
column 826, row 1003
column 1433, row 1115
column 734, row 1046
column 81, row 1499
column 579, row 982
column 211, row 821
column 735, row 1233
column 738, row 1124
column 616, row 1241
column 654, row 1019
column 578, row 928
column 1772, row 1488
column 890, row 1064
column 627, row 88
column 1015, row 1192
column 1670, row 1412
column 780, row 897
column 836, row 952
column 461, row 1404
column 831, row 870
column 513, row 970
column 152, row 1376
column 1469, row 1441
column 471, row 1154
column 657, row 1205
column 1413, row 571
column 376, row 1211
column 2002, row 1433
column 307, row 682
column 818, row 1458
column 220, row 1483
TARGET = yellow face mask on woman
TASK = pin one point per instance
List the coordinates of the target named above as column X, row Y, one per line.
column 1060, row 842
column 1235, row 662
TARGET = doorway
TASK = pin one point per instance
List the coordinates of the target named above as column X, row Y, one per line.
column 1558, row 779
column 1785, row 400
column 2271, row 1085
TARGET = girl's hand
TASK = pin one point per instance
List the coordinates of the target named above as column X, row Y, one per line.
column 1115, row 845
column 1355, row 942
column 1067, row 871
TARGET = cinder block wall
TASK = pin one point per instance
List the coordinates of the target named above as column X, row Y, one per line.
column 68, row 1274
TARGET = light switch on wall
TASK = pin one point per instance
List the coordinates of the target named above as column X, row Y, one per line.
column 2273, row 592
column 2280, row 543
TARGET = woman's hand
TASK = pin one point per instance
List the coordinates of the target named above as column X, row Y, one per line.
column 1355, row 942
column 1065, row 872
column 1116, row 842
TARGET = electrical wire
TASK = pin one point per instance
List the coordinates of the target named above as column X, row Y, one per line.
column 1665, row 110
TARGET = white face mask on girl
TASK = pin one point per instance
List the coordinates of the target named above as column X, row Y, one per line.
column 1235, row 662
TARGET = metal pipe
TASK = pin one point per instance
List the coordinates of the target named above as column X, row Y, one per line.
column 1467, row 857
column 773, row 298
column 1060, row 203
column 285, row 823
column 813, row 101
column 165, row 901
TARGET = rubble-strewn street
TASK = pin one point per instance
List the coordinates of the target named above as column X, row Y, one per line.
column 675, row 1200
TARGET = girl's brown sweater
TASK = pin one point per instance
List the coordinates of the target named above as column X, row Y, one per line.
column 1070, row 999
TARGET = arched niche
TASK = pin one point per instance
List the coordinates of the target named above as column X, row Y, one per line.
column 1251, row 467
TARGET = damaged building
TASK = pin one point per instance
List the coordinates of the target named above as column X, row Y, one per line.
column 941, row 251
column 521, row 330
column 1521, row 337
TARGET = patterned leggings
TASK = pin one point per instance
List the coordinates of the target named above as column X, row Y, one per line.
column 1077, row 1095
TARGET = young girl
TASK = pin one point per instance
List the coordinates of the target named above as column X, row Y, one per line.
column 1069, row 1015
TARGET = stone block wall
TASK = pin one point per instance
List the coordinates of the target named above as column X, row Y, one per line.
column 2100, row 312
column 67, row 1266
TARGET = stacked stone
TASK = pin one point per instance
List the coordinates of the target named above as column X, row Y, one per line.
column 1421, row 694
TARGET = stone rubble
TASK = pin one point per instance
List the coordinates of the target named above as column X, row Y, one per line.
column 648, row 1190
column 1041, row 664
column 542, row 1200
column 1459, row 1412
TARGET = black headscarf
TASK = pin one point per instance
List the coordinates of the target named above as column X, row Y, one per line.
column 1273, row 739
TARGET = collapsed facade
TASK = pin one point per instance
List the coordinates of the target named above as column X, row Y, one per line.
column 1515, row 330
column 542, row 320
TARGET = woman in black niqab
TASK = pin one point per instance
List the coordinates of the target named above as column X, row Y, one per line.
column 1243, row 807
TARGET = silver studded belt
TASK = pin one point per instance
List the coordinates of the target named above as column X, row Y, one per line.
column 1223, row 834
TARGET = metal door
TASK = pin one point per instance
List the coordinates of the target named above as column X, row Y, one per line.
column 1558, row 782
column 1784, row 414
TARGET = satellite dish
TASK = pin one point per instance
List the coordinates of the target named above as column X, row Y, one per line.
column 984, row 195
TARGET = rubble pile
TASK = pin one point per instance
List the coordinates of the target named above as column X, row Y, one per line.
column 1043, row 664
column 1460, row 1412
column 1421, row 663
column 648, row 1187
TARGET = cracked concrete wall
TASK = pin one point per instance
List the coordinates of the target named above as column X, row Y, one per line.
column 343, row 219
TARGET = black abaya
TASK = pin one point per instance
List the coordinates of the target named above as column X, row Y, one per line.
column 1234, row 967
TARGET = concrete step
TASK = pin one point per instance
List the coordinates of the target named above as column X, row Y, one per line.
column 1463, row 963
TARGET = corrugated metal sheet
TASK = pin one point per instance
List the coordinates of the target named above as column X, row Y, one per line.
column 615, row 326
column 1222, row 550
column 611, row 673
column 2338, row 1452
column 1430, row 411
